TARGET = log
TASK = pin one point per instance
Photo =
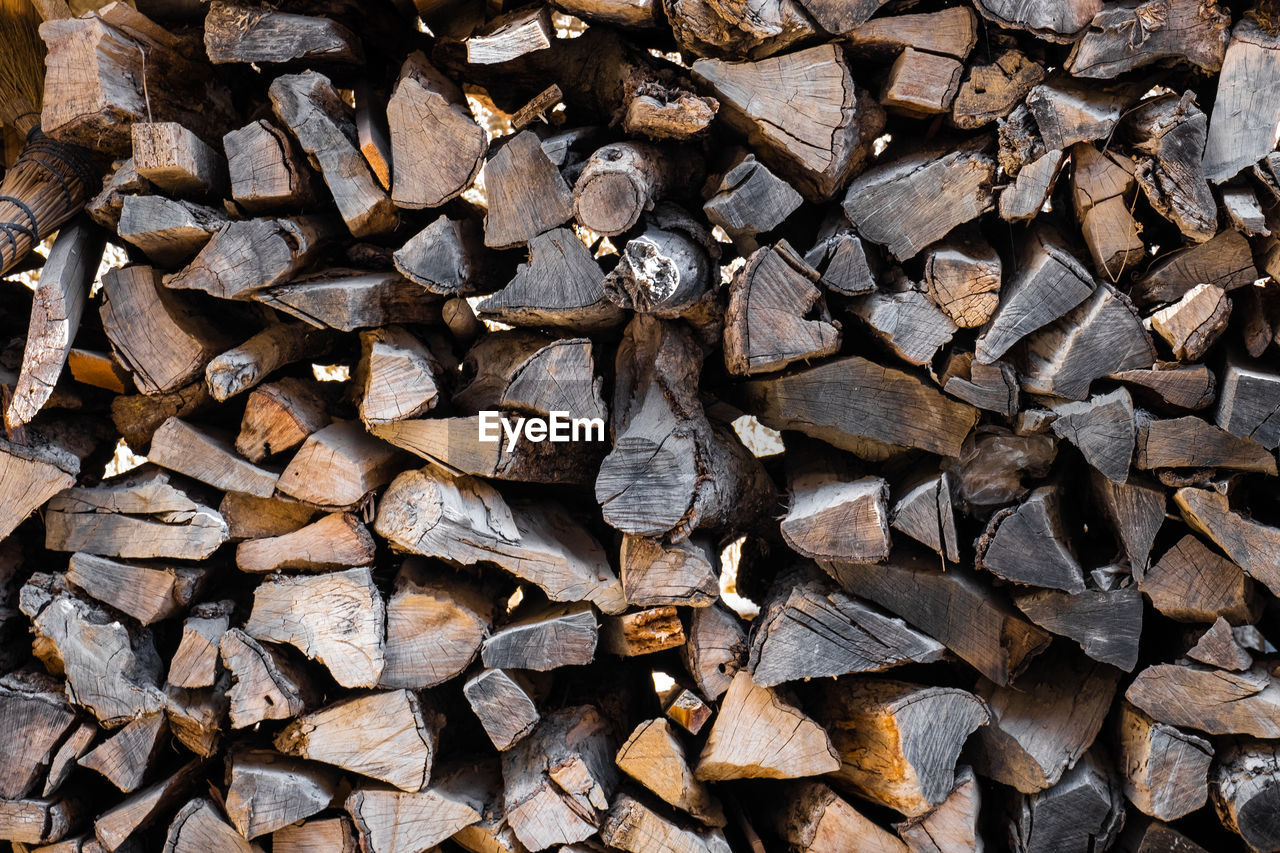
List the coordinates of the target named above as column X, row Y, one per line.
column 436, row 623
column 446, row 257
column 1218, row 647
column 922, row 509
column 1083, row 812
column 687, row 710
column 37, row 820
column 248, row 517
column 951, row 826
column 399, row 820
column 1102, row 429
column 1244, row 786
column 715, row 649
column 1170, row 384
column 990, row 92
column 399, row 375
column 241, row 368
column 758, row 735
column 323, row 125
column 1246, row 402
column 527, row 195
column 1031, row 189
column 539, row 543
column 812, row 818
column 120, row 182
column 1171, row 131
column 390, row 736
column 504, row 702
column 1102, row 186
column 200, row 825
column 1055, row 22
column 1249, row 543
column 683, row 573
column 235, row 33
column 35, row 714
column 1246, row 103
column 993, row 387
column 147, row 594
column 642, row 632
column 117, row 824
column 1184, row 31
column 1042, row 727
column 337, row 619
column 1225, row 261
column 898, row 742
column 950, row 32
column 209, row 457
column 125, row 757
column 1189, row 442
column 310, row 836
column 750, row 200
column 249, row 255
column 668, row 271
column 962, row 275
column 510, row 36
column 338, row 465
column 197, row 717
column 266, row 169
column 623, row 180
column 169, row 232
column 833, row 516
column 1210, row 700
column 634, row 827
column 195, row 662
column 1029, row 544
column 801, row 112
column 267, row 791
column 908, row 323
column 916, row 200
column 1244, row 211
column 31, row 475
column 638, row 14
column 1164, row 770
column 346, row 300
column 1191, row 583
column 279, row 416
column 436, row 145
column 709, row 31
column 176, row 160
column 1107, row 625
column 332, row 542
column 547, row 638
column 1192, row 324
column 654, row 756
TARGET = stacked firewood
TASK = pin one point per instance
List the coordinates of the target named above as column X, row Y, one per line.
column 649, row 425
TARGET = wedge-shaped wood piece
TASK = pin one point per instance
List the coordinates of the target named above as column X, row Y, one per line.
column 527, row 195
column 1219, row 647
column 1046, row 19
column 962, row 274
column 1026, row 197
column 38, row 820
column 1152, row 836
column 248, row 255
column 338, row 465
column 234, row 33
column 715, row 650
column 1171, row 131
column 1102, row 187
column 860, row 406
column 267, row 170
column 400, row 377
column 807, row 629
column 1102, row 429
column 1068, row 111
column 1226, row 261
column 267, row 791
column 671, row 469
column 684, row 573
column 33, row 713
column 436, row 145
column 1190, row 442
column 1192, row 324
column 1188, row 32
column 147, row 593
column 1082, row 812
column 1244, row 211
column 1192, row 583
column 907, row 322
column 278, row 417
column 1247, row 105
column 337, row 619
column 198, row 717
column 634, row 827
column 1164, row 770
column 110, row 669
column 241, row 368
column 1252, row 545
column 334, row 834
column 686, row 709
column 758, row 735
column 751, row 200
column 1245, row 786
column 952, row 825
column 642, row 632
column 916, row 200
column 1030, row 544
column 176, row 160
column 248, row 517
column 950, row 32
column 137, row 515
column 1248, row 399
column 161, row 340
column 1042, row 726
column 550, row 637
column 993, row 387
column 504, row 702
column 334, row 541
column 169, row 231
column 1209, row 699
column 834, row 517
column 561, row 287
column 323, row 124
column 1101, row 336
column 64, row 761
column 436, row 622
column 347, row 300
column 469, row 522
column 446, row 257
column 1107, row 625
column 389, row 736
column 898, row 742
column 124, row 758
column 560, row 780
column 114, row 826
column 954, row 607
column 812, row 818
column 654, row 756
column 208, row 457
column 200, row 825
column 267, row 682
column 768, row 325
column 802, row 113
column 1173, row 385
column 991, row 92
column 840, row 258
column 922, row 509
column 31, row 475
column 387, row 819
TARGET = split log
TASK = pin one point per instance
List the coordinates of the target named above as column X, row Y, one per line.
column 337, row 466
column 471, row 523
column 1191, row 583
column 1247, row 105
column 962, row 275
column 334, row 834
column 31, row 475
column 390, row 736
column 177, row 161
column 346, row 300
column 510, row 36
column 1107, row 625
column 1051, row 21
column 991, row 92
column 898, row 742
column 243, row 367
column 711, row 31
column 65, row 760
column 398, row 374
column 954, row 607
column 559, row 781
column 993, row 387
column 400, row 820
column 812, row 818
column 1192, row 324
column 447, row 257
column 239, row 34
column 951, row 826
column 1220, row 647
column 1250, row 544
column 120, row 182
column 337, row 619
column 715, row 649
column 278, row 417
column 802, row 113
column 1164, row 770
column 1135, row 510
column 1029, row 544
column 198, row 717
column 949, row 32
column 638, row 14
column 1225, row 261
column 623, row 180
column 178, row 342
column 1150, row 836
column 335, row 541
column 38, row 820
column 561, row 287
column 436, row 624
column 1102, row 187
column 758, row 735
column 840, row 258
column 248, row 517
column 1180, row 386
column 267, row 791
column 199, row 825
column 833, row 516
column 249, row 255
column 34, row 714
column 195, row 663
column 682, row 573
column 124, row 758
column 1102, row 429
column 504, row 702
column 147, row 594
column 922, row 509
column 1208, row 699
column 266, row 170
column 118, row 824
column 527, row 195
column 546, row 639
column 671, row 470
column 1082, row 813
column 1246, row 785
column 653, row 756
column 169, row 232
column 1182, row 31
column 323, row 124
column 1244, row 211
column 1068, row 111
column 1247, row 401
column 911, row 202
column 1040, row 728
column 1189, row 442
column 209, row 457
column 750, row 200
column 436, row 145
column 1171, row 131
column 668, row 271
column 1024, row 199
column 636, row 828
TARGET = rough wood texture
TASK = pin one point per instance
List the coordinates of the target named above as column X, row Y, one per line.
column 240, row 34
column 1247, row 105
column 1208, row 699
column 504, row 703
column 266, row 170
column 208, row 457
column 146, row 593
column 436, row 623
column 176, row 160
column 1244, row 789
column 248, row 255
column 527, row 195
column 338, row 465
column 243, row 367
column 267, row 684
column 814, row 819
column 278, row 417
column 1107, row 625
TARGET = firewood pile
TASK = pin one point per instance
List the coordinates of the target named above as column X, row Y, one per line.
column 647, row 425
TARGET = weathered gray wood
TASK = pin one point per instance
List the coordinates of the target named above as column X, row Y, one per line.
column 1102, row 429
column 177, row 160
column 338, row 465
column 750, row 200
column 655, row 757
column 170, row 232
column 267, row 791
column 1208, row 699
column 208, row 456
column 1225, row 261
column 235, row 33
column 715, row 649
column 1171, row 131
column 1247, row 105
column 527, row 195
column 247, row 255
column 545, row 639
column 922, row 509
column 1251, row 544
column 1107, row 625
column 29, row 476
column 1083, row 812
column 1030, row 544
column 1170, row 384
column 34, row 713
column 146, row 593
column 241, row 368
column 125, row 757
column 1244, row 786
column 267, row 171
column 1190, row 442
column 1164, row 770
column 504, row 702
column 1185, row 31
column 1247, row 400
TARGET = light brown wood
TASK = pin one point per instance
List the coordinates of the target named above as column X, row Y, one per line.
column 266, row 169
column 338, row 465
column 1249, row 543
column 400, row 820
column 195, row 662
column 952, row 826
column 126, row 755
column 279, row 416
column 812, row 818
column 209, row 457
column 1208, row 699
column 267, row 683
column 684, row 573
column 332, row 542
column 642, row 632
column 400, row 376
column 176, row 160
column 239, row 369
column 30, row 476
column 654, row 756
column 634, row 827
column 436, row 622
column 1165, row 770
column 247, row 255
column 200, row 825
column 267, row 791
column 527, row 195
column 146, row 593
